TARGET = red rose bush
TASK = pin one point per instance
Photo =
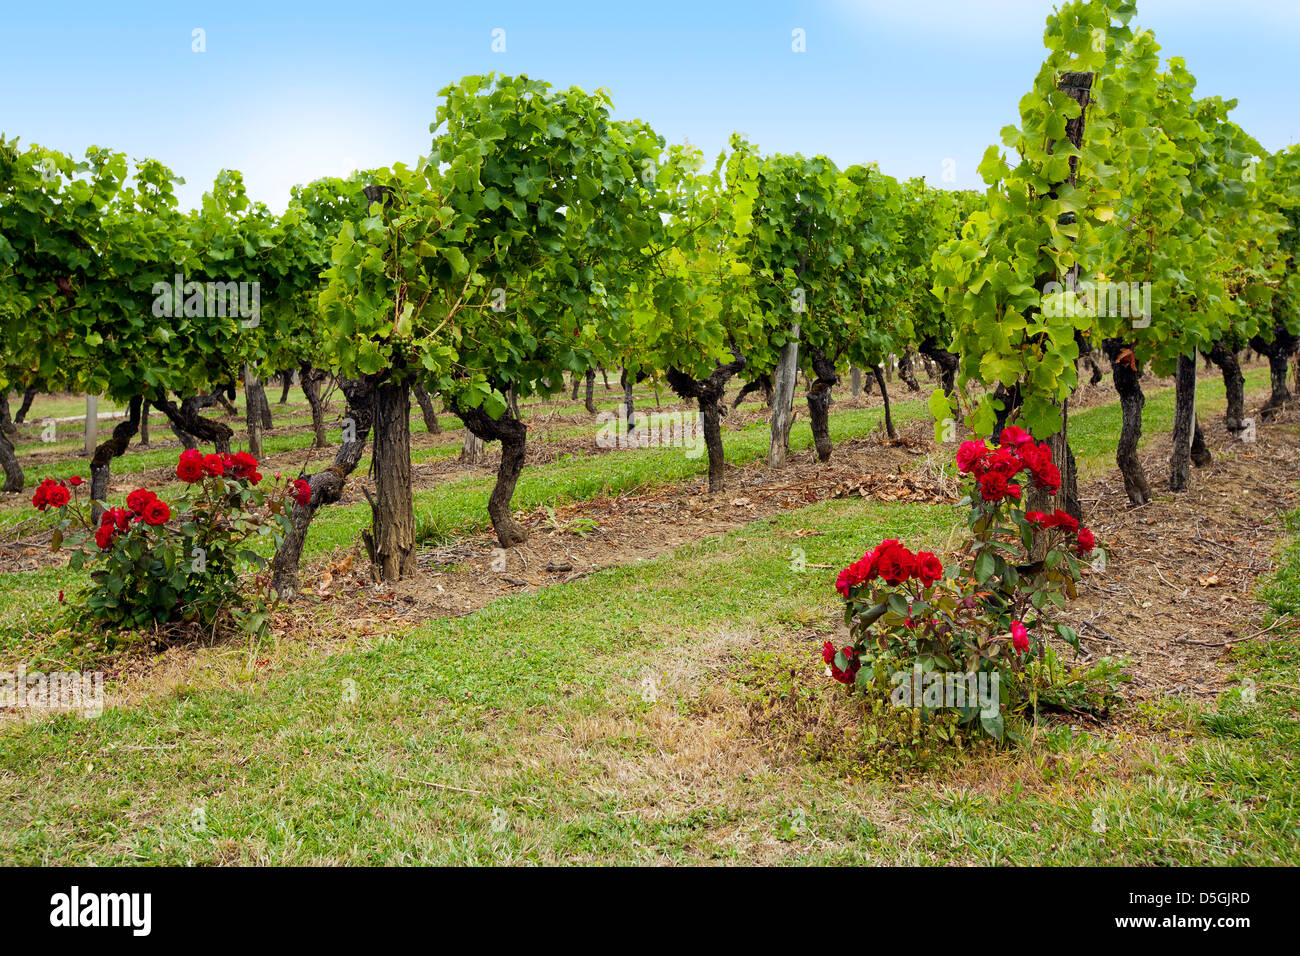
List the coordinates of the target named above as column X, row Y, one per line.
column 979, row 620
column 155, row 561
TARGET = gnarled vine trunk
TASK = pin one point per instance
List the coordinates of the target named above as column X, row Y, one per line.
column 29, row 394
column 762, row 383
column 819, row 401
column 906, row 372
column 101, row 462
column 708, row 394
column 513, row 435
column 1278, row 352
column 13, row 476
column 428, row 411
column 947, row 362
column 391, row 540
column 1128, row 383
column 309, row 380
column 326, row 486
column 1184, row 423
column 628, row 404
column 186, row 421
column 1234, row 385
column 890, row 430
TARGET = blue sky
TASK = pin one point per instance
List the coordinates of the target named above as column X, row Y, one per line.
column 289, row 91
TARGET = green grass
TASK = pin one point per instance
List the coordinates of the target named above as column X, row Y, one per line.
column 287, row 770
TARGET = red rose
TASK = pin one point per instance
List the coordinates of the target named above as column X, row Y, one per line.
column 856, row 573
column 1019, row 636
column 301, row 492
column 843, row 676
column 76, row 481
column 58, row 496
column 928, row 568
column 1048, row 477
column 104, row 536
column 844, row 583
column 137, row 499
column 969, row 455
column 156, row 512
column 1063, row 519
column 41, row 499
column 1006, row 462
column 895, row 563
column 116, row 517
column 214, row 466
column 1015, row 436
column 1036, row 517
column 1086, row 541
column 189, row 470
column 243, row 465
column 993, row 486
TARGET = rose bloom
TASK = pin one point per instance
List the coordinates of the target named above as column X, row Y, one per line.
column 214, row 466
column 1048, row 477
column 76, row 481
column 928, row 568
column 1015, row 436
column 157, row 512
column 301, row 492
column 104, row 536
column 1019, row 636
column 137, row 499
column 189, row 469
column 41, row 499
column 243, row 465
column 895, row 563
column 115, row 517
column 993, row 486
column 1086, row 541
column 58, row 496
column 844, row 677
column 1006, row 462
column 1063, row 519
column 969, row 454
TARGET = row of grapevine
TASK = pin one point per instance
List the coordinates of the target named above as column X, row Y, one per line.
column 1138, row 220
